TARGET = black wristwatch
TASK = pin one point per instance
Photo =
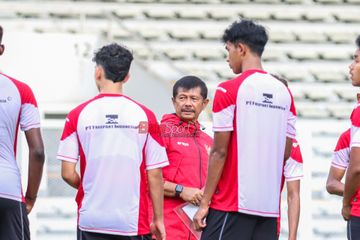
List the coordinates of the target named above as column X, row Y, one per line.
column 178, row 190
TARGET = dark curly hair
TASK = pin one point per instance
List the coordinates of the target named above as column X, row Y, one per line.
column 247, row 32
column 115, row 60
column 357, row 41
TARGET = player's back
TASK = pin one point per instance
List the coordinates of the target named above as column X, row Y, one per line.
column 112, row 196
column 17, row 107
column 262, row 109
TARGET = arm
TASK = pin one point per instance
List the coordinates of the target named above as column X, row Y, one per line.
column 69, row 174
column 333, row 183
column 217, row 160
column 156, row 193
column 191, row 195
column 288, row 148
column 352, row 181
column 36, row 163
column 293, row 199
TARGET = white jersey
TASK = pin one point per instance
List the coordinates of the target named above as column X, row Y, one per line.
column 17, row 107
column 259, row 111
column 116, row 140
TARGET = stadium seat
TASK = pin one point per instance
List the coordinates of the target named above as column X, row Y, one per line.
column 159, row 13
column 341, row 111
column 341, row 36
column 183, row 34
column 318, row 94
column 209, row 54
column 211, row 34
column 221, row 14
column 347, row 16
column 347, row 94
column 302, row 54
column 287, row 15
column 257, row 15
column 127, row 13
column 312, row 111
column 281, row 36
column 311, row 37
column 194, row 14
column 317, row 16
column 335, row 55
column 328, row 75
column 329, row 1
column 176, row 54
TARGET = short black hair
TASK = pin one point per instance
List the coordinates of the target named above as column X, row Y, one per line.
column 281, row 79
column 115, row 60
column 357, row 41
column 1, row 33
column 247, row 32
column 190, row 82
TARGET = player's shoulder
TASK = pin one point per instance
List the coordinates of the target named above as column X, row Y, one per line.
column 355, row 116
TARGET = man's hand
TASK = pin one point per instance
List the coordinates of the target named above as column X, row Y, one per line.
column 346, row 211
column 199, row 218
column 192, row 195
column 158, row 229
column 29, row 202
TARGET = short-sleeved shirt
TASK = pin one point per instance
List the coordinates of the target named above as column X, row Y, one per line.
column 17, row 107
column 260, row 112
column 293, row 169
column 355, row 142
column 110, row 136
column 341, row 155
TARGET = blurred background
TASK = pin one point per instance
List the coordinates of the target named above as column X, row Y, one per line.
column 50, row 44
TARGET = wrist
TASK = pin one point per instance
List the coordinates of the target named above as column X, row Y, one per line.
column 31, row 198
column 178, row 190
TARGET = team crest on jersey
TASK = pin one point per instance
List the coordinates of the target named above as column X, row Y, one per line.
column 267, row 98
column 111, row 118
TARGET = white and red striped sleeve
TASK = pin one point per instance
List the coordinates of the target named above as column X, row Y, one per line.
column 293, row 169
column 291, row 130
column 341, row 155
column 29, row 114
column 69, row 143
column 224, row 107
column 355, row 127
column 155, row 153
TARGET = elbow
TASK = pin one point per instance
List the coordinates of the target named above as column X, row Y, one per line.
column 66, row 176
column 38, row 154
column 220, row 153
column 330, row 188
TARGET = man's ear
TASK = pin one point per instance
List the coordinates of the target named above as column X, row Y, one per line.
column 99, row 73
column 2, row 49
column 205, row 103
column 242, row 49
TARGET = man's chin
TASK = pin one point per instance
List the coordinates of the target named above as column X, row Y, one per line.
column 187, row 117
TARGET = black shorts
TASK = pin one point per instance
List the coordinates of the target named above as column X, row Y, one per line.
column 14, row 222
column 83, row 235
column 238, row 226
column 353, row 228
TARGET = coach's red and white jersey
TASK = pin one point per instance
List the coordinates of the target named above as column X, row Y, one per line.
column 260, row 112
column 111, row 136
column 293, row 169
column 341, row 156
column 17, row 107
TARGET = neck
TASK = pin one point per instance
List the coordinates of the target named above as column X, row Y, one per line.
column 111, row 87
column 253, row 62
